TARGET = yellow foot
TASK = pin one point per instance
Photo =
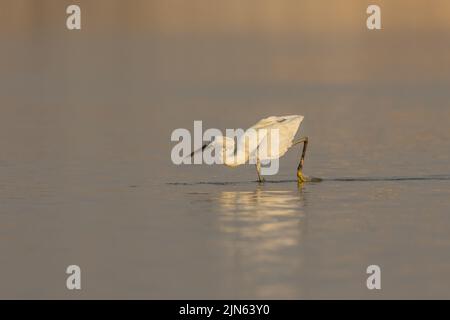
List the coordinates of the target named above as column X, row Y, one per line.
column 302, row 178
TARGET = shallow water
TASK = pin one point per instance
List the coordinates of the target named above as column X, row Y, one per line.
column 86, row 176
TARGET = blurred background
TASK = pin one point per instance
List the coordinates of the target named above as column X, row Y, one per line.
column 85, row 169
column 143, row 65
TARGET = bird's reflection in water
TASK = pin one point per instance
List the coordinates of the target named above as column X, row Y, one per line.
column 263, row 232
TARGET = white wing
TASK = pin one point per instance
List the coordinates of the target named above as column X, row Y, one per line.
column 287, row 127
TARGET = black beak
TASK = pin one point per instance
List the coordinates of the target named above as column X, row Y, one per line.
column 203, row 148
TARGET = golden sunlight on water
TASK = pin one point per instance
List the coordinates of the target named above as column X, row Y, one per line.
column 264, row 212
column 261, row 228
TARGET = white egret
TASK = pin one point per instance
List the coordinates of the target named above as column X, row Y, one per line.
column 237, row 154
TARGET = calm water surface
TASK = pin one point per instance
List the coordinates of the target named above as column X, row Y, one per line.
column 86, row 176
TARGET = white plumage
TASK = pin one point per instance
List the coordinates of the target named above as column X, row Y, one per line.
column 287, row 127
column 256, row 144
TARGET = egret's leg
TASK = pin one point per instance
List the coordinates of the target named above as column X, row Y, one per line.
column 300, row 176
column 258, row 170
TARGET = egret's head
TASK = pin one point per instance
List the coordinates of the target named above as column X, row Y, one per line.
column 224, row 148
column 220, row 150
column 225, row 143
